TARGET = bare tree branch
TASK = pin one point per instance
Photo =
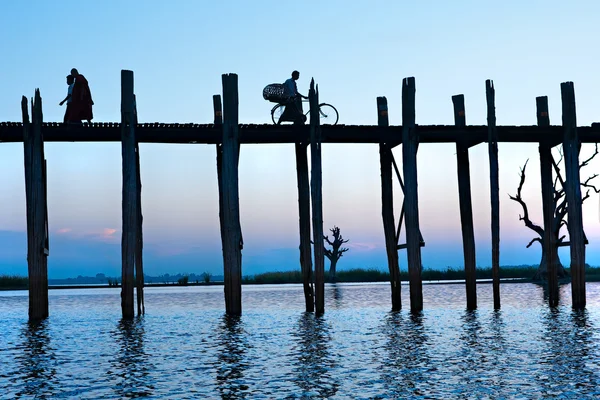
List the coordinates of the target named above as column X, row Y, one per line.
column 533, row 241
column 586, row 162
column 525, row 217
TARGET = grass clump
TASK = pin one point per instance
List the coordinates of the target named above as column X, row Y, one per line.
column 13, row 282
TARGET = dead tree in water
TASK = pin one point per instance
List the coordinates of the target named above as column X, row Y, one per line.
column 336, row 250
column 560, row 210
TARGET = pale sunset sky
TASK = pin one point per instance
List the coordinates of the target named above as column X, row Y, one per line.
column 356, row 51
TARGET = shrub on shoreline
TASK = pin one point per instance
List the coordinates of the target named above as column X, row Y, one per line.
column 13, row 282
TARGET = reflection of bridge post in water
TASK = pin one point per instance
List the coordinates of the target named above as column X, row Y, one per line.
column 37, row 361
column 232, row 352
column 497, row 346
column 546, row 293
column 569, row 344
column 314, row 358
column 337, row 295
column 131, row 365
column 473, row 353
column 405, row 362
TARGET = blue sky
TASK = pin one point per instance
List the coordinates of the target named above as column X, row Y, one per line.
column 356, row 51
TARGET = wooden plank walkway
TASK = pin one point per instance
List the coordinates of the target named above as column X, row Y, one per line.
column 268, row 133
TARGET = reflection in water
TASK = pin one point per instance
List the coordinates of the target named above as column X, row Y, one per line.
column 37, row 362
column 473, row 355
column 337, row 295
column 498, row 349
column 569, row 341
column 315, row 363
column 406, row 362
column 232, row 348
column 131, row 367
column 546, row 292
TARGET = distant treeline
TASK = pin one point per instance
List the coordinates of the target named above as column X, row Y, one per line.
column 8, row 282
column 375, row 275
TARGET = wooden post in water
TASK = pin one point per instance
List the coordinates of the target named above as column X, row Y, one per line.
column 304, row 216
column 548, row 207
column 410, row 144
column 571, row 146
column 139, row 250
column 129, row 238
column 387, row 207
column 218, row 121
column 232, row 231
column 37, row 223
column 316, row 190
column 490, row 94
column 466, row 208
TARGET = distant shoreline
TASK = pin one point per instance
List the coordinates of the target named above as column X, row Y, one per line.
column 509, row 274
column 155, row 285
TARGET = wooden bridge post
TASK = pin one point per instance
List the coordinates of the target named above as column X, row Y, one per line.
column 304, row 217
column 550, row 249
column 317, row 198
column 129, row 238
column 231, row 229
column 571, row 146
column 139, row 249
column 490, row 94
column 410, row 144
column 466, row 208
column 387, row 207
column 218, row 122
column 37, row 209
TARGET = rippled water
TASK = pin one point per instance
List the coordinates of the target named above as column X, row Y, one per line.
column 184, row 347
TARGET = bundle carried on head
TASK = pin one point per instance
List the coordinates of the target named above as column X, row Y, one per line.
column 274, row 92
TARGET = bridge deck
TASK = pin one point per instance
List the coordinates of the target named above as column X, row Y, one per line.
column 263, row 134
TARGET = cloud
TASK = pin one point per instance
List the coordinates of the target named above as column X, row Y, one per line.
column 63, row 231
column 361, row 246
column 107, row 235
column 108, row 232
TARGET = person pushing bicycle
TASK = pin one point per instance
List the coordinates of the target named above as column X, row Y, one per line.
column 293, row 110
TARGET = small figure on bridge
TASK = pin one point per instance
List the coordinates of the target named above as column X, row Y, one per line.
column 70, row 82
column 81, row 99
column 293, row 110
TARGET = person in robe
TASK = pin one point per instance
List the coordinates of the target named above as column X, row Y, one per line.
column 81, row 99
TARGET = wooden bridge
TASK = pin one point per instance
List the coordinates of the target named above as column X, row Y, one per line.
column 227, row 134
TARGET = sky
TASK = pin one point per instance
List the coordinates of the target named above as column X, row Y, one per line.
column 355, row 51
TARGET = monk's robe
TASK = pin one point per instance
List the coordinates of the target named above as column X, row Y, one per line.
column 81, row 101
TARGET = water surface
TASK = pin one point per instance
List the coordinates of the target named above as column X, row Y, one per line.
column 184, row 347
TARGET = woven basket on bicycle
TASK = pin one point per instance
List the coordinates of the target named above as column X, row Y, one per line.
column 275, row 93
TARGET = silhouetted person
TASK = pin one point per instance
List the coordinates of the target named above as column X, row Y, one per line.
column 293, row 107
column 70, row 82
column 81, row 99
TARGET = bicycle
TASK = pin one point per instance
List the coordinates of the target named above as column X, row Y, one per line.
column 327, row 113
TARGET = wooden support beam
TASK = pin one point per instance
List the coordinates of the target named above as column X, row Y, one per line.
column 549, row 247
column 37, row 209
column 139, row 264
column 129, row 238
column 387, row 207
column 571, row 146
column 304, row 217
column 232, row 231
column 218, row 121
column 490, row 94
column 466, row 208
column 218, row 110
column 317, row 198
column 410, row 143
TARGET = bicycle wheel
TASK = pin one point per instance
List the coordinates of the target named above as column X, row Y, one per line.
column 276, row 113
column 328, row 114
